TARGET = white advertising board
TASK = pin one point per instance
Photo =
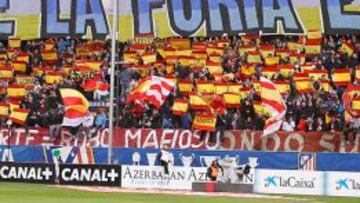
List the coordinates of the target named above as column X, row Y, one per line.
column 343, row 184
column 289, row 182
column 153, row 177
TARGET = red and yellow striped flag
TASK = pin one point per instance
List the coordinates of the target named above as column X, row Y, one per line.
column 205, row 122
column 286, row 70
column 295, row 46
column 149, row 57
column 19, row 66
column 73, row 99
column 94, row 65
column 341, row 77
column 272, row 60
column 49, row 55
column 245, row 49
column 317, row 74
column 6, row 73
column 348, row 48
column 267, row 50
column 248, row 71
column 199, row 54
column 214, row 67
column 356, row 104
column 283, row 53
column 16, row 91
column 19, row 116
column 300, row 76
column 185, row 86
column 269, row 71
column 235, row 88
column 199, row 102
column 204, row 86
column 314, row 34
column 254, row 57
column 282, row 86
column 14, row 42
column 232, row 100
column 4, row 109
column 180, row 43
column 180, row 107
column 303, row 86
column 294, row 57
column 221, row 88
column 23, row 57
column 313, row 46
column 53, row 77
column 347, row 101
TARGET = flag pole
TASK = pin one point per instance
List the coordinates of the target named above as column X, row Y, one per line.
column 112, row 78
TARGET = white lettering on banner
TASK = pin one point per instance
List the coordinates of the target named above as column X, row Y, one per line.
column 90, row 175
column 25, row 173
column 275, row 139
column 324, row 142
column 289, row 182
column 245, row 141
column 343, row 184
column 296, row 137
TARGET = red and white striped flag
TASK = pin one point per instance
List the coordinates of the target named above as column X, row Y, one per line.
column 272, row 100
column 152, row 89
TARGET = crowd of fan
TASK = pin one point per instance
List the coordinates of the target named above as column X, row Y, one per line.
column 315, row 111
column 318, row 110
column 43, row 100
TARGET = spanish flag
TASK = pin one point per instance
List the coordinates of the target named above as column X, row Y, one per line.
column 198, row 102
column 19, row 66
column 149, row 57
column 221, row 88
column 205, row 86
column 214, row 67
column 14, row 42
column 267, row 50
column 180, row 43
column 294, row 57
column 232, row 100
column 73, row 99
column 325, row 85
column 235, row 88
column 300, row 76
column 215, row 58
column 223, row 42
column 341, row 77
column 282, row 86
column 307, row 67
column 270, row 71
column 167, row 51
column 283, row 53
column 19, row 116
column 272, row 60
column 295, row 46
column 356, row 104
column 6, row 73
column 200, row 54
column 94, row 65
column 172, row 59
column 16, row 91
column 317, row 74
column 260, row 109
column 314, row 34
column 253, row 57
column 13, row 104
column 185, row 85
column 245, row 49
column 248, row 71
column 4, row 109
column 180, row 107
column 130, row 57
column 205, row 122
column 215, row 50
column 347, row 101
column 49, row 45
column 251, row 38
column 183, row 52
column 187, row 60
column 49, row 55
column 53, row 77
column 23, row 57
column 199, row 46
column 286, row 70
column 313, row 46
column 303, row 86
column 348, row 48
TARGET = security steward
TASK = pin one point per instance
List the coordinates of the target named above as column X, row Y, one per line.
column 213, row 171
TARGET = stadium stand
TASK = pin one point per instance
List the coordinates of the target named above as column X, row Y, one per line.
column 217, row 81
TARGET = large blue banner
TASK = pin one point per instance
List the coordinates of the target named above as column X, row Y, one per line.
column 194, row 158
